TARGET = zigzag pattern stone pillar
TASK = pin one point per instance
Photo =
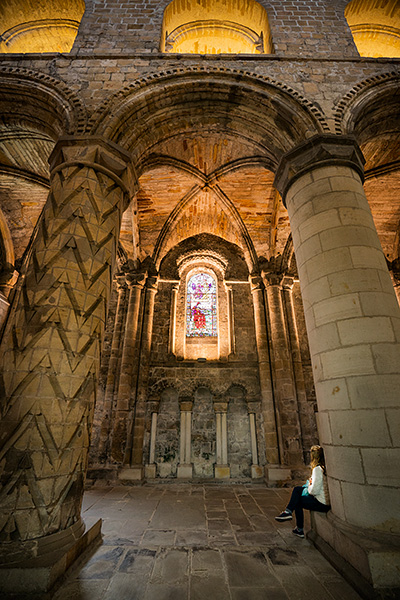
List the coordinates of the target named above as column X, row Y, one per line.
column 50, row 353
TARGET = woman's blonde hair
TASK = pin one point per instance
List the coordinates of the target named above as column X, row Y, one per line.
column 317, row 458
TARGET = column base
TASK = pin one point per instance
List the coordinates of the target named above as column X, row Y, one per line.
column 222, row 472
column 278, row 476
column 150, row 471
column 257, row 472
column 185, row 471
column 132, row 473
column 32, row 568
column 368, row 559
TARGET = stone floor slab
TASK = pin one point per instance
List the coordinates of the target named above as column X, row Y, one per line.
column 149, row 553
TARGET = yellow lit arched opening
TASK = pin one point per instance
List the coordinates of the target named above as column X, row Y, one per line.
column 375, row 26
column 216, row 26
column 32, row 26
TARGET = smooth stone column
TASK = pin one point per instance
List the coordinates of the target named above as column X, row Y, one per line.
column 267, row 395
column 151, row 467
column 51, row 346
column 307, row 431
column 353, row 325
column 134, row 459
column 112, row 372
column 256, row 469
column 221, row 469
column 289, row 430
column 121, row 442
column 185, row 467
column 172, row 327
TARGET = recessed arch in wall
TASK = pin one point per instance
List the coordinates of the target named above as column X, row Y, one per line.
column 214, row 27
column 375, row 26
column 47, row 26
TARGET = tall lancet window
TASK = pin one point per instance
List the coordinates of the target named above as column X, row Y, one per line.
column 201, row 307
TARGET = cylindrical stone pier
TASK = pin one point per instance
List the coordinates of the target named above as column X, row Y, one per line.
column 353, row 325
column 50, row 352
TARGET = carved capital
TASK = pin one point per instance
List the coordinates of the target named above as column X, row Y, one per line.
column 99, row 154
column 256, row 283
column 220, row 407
column 186, row 404
column 272, row 279
column 318, row 151
column 135, row 279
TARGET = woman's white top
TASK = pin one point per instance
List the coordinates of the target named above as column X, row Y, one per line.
column 319, row 486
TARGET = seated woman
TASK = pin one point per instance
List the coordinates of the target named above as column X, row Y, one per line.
column 314, row 496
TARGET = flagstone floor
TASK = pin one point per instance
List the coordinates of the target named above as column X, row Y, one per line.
column 180, row 541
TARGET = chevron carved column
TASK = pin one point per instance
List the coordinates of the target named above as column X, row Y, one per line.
column 51, row 346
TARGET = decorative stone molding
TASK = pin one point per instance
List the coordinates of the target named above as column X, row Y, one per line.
column 73, row 114
column 319, row 151
column 99, row 120
column 207, row 257
column 345, row 111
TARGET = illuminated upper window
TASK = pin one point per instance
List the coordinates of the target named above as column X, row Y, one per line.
column 214, row 27
column 32, row 26
column 201, row 307
column 375, row 26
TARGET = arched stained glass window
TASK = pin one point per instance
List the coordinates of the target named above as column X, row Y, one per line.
column 201, row 306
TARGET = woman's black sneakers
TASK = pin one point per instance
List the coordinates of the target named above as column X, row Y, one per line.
column 284, row 516
column 298, row 532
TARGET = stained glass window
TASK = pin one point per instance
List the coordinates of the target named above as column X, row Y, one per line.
column 201, row 306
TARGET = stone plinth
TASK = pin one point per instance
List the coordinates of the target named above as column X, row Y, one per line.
column 185, row 471
column 150, row 471
column 278, row 476
column 257, row 472
column 133, row 473
column 222, row 472
column 46, row 560
column 369, row 560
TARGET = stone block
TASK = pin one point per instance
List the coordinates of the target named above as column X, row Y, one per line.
column 185, row 471
column 381, row 465
column 257, row 472
column 344, row 463
column 317, row 223
column 150, row 471
column 331, row 261
column 360, row 428
column 132, row 473
column 278, row 475
column 374, row 507
column 354, row 360
column 374, row 391
column 332, row 394
column 222, row 472
column 387, row 357
column 324, row 428
column 369, row 257
column 366, row 330
column 337, row 308
column 381, row 304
